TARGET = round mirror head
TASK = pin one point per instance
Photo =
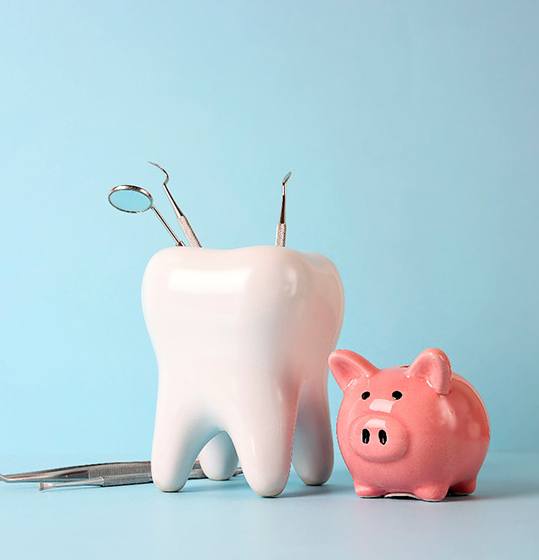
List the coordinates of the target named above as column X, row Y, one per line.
column 130, row 198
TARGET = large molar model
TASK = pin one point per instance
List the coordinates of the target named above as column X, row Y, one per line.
column 242, row 339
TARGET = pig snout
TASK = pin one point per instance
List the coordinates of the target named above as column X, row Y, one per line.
column 378, row 438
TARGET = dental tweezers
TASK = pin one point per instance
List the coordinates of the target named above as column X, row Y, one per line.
column 98, row 474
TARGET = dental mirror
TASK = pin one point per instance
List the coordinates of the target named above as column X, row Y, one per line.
column 134, row 200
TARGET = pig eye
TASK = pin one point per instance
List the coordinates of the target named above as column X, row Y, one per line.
column 396, row 395
column 365, row 395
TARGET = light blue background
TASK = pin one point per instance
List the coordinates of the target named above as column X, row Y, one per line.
column 412, row 129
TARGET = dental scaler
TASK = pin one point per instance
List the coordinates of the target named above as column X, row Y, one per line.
column 280, row 238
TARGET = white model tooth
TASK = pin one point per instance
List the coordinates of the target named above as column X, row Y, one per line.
column 179, row 434
column 242, row 339
column 263, row 433
column 218, row 459
column 313, row 445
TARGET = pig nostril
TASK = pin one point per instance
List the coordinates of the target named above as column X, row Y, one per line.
column 365, row 435
column 382, row 436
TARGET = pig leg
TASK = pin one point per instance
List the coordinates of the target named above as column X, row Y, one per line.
column 463, row 488
column 367, row 491
column 431, row 492
column 313, row 445
column 218, row 459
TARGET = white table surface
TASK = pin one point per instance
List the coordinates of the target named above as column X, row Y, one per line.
column 227, row 520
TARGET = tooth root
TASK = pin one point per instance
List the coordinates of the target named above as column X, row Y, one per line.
column 313, row 445
column 263, row 441
column 218, row 459
column 173, row 455
column 178, row 437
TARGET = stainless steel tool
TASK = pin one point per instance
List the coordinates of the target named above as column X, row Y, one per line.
column 98, row 474
column 280, row 239
column 182, row 218
column 134, row 200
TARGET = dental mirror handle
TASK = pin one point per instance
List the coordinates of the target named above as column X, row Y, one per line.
column 167, row 227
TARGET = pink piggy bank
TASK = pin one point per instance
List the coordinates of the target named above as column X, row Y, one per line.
column 417, row 430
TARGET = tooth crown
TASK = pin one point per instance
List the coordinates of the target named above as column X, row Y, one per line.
column 242, row 338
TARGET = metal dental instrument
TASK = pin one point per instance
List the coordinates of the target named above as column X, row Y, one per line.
column 133, row 199
column 280, row 239
column 182, row 219
column 99, row 481
column 135, row 471
column 99, row 474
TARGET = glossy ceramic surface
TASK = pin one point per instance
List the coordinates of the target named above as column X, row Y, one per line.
column 242, row 339
column 419, row 430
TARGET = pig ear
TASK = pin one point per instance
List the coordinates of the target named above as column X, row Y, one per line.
column 433, row 365
column 347, row 366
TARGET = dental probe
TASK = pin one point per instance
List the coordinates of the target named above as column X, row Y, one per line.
column 182, row 218
column 280, row 239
